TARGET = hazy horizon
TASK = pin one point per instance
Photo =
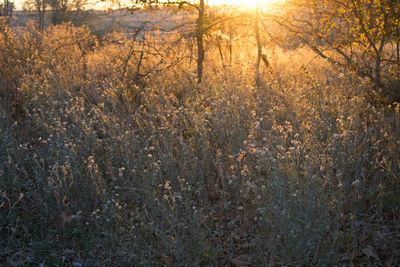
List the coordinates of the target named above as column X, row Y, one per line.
column 102, row 5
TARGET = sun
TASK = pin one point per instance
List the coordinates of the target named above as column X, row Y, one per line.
column 246, row 3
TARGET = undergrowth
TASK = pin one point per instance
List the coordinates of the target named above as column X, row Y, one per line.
column 99, row 166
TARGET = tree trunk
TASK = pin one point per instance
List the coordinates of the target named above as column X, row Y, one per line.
column 5, row 8
column 41, row 9
column 221, row 54
column 378, row 66
column 43, row 13
column 200, row 44
column 398, row 58
column 230, row 47
column 258, row 40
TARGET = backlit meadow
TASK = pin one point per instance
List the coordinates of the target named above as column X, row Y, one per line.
column 113, row 153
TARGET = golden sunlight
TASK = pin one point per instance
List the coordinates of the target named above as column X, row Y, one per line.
column 246, row 3
column 105, row 4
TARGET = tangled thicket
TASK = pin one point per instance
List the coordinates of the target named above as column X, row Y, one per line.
column 102, row 166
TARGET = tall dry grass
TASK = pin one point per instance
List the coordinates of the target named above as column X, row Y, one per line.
column 100, row 167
